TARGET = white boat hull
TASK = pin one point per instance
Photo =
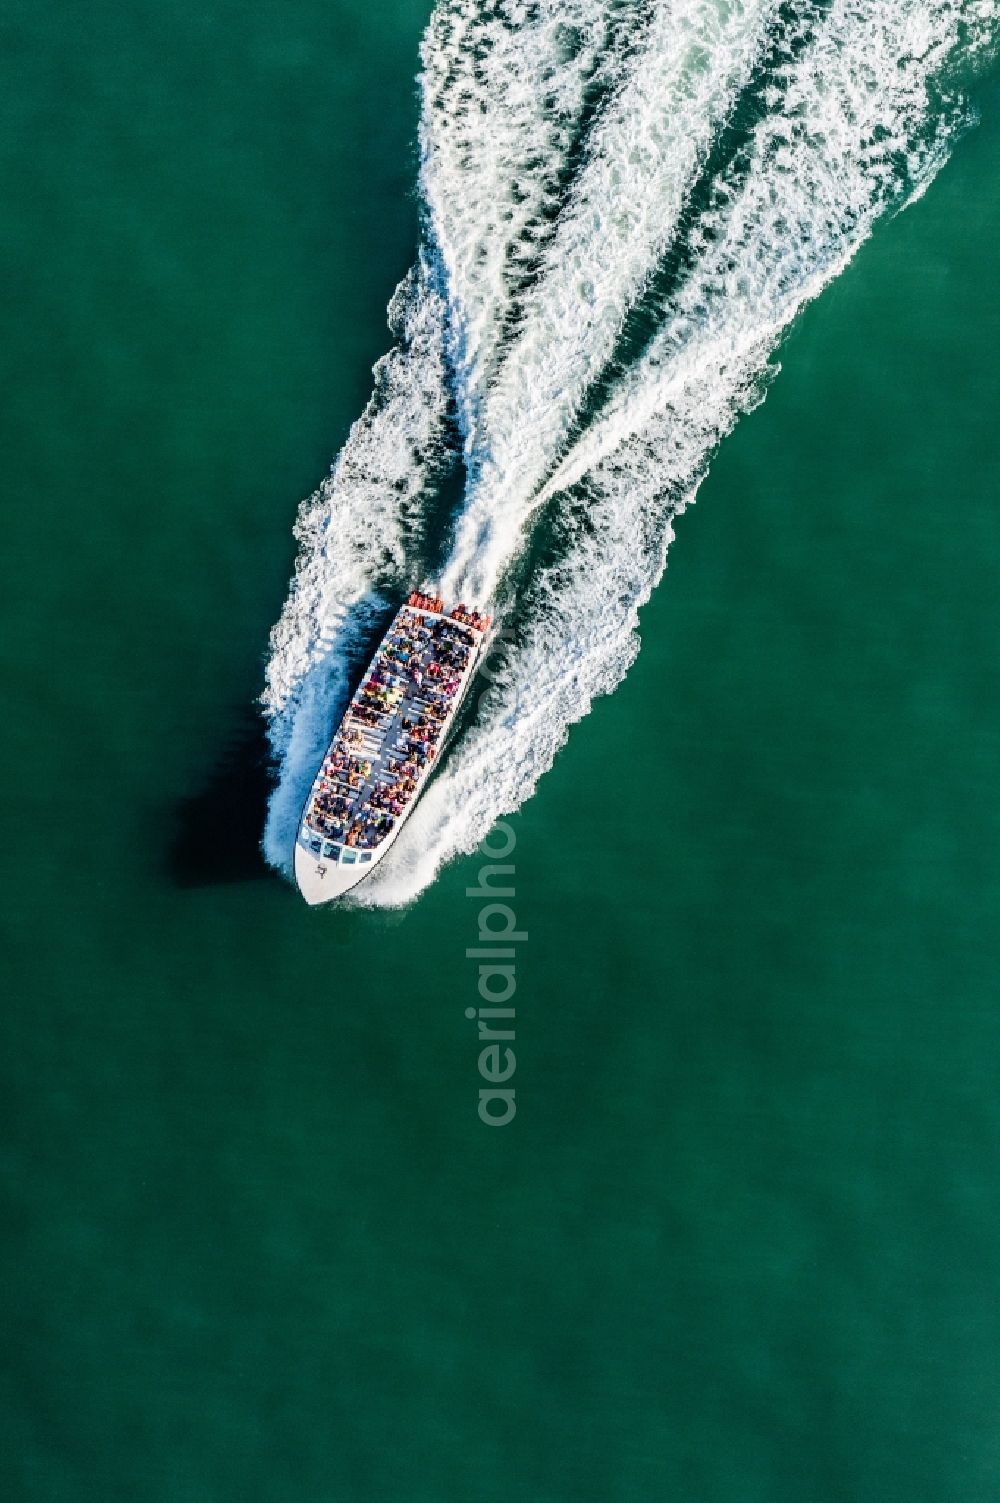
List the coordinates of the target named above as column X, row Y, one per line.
column 326, row 869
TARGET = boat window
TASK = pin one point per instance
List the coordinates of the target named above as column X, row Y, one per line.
column 314, row 845
column 349, row 858
column 365, row 856
column 331, row 852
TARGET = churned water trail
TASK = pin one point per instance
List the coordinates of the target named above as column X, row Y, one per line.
column 641, row 158
column 571, row 153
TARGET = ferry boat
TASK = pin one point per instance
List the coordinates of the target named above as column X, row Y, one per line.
column 387, row 745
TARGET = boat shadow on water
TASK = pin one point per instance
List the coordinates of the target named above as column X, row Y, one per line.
column 217, row 831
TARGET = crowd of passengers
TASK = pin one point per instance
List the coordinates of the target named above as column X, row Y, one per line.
column 460, row 613
column 471, row 618
column 421, row 659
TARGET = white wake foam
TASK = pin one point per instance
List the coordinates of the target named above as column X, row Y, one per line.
column 504, row 88
column 641, row 160
column 861, row 112
column 354, row 537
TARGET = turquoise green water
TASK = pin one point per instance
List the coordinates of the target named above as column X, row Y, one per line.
column 742, row 1240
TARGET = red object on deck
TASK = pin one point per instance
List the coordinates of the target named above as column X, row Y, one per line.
column 425, row 602
column 460, row 613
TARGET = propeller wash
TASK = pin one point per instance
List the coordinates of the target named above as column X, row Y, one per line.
column 625, row 206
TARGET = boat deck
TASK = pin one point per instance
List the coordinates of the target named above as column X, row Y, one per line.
column 386, row 744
